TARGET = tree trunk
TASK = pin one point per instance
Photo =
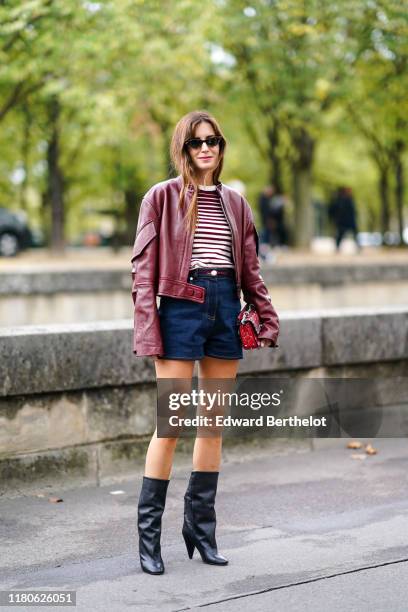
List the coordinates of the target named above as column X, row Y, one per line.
column 384, row 199
column 167, row 158
column 276, row 166
column 131, row 214
column 55, row 180
column 303, row 144
column 25, row 153
column 166, row 131
column 399, row 187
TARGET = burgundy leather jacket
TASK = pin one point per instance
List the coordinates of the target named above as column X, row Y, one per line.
column 162, row 256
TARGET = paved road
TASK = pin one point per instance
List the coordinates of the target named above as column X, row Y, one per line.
column 306, row 530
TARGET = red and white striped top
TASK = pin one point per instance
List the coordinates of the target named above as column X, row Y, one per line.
column 212, row 245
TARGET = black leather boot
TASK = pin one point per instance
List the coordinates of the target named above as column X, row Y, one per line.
column 200, row 518
column 150, row 510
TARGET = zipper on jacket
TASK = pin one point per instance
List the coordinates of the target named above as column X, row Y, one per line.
column 232, row 238
column 188, row 247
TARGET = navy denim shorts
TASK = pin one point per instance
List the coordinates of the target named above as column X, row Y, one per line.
column 191, row 330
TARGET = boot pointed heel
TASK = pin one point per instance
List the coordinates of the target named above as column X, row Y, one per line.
column 189, row 545
column 200, row 518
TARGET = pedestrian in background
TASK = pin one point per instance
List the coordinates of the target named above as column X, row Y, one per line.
column 272, row 212
column 264, row 207
column 342, row 212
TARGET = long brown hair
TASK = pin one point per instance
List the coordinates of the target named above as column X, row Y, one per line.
column 183, row 163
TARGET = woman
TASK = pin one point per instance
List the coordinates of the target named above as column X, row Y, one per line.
column 196, row 246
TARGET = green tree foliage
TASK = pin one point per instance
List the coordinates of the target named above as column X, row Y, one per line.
column 90, row 93
column 298, row 63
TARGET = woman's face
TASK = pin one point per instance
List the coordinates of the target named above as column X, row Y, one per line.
column 205, row 158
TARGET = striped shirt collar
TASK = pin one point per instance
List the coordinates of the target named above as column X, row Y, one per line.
column 208, row 187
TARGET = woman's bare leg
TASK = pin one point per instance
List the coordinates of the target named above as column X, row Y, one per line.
column 159, row 456
column 207, row 450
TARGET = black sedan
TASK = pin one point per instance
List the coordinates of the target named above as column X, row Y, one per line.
column 15, row 235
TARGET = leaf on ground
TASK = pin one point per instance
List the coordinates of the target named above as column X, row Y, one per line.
column 354, row 444
column 370, row 450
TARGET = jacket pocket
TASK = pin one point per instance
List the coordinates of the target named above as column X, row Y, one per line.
column 144, row 236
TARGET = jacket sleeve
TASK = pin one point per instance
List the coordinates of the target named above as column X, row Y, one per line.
column 252, row 284
column 147, row 338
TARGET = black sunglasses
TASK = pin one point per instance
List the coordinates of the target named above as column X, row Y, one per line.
column 197, row 143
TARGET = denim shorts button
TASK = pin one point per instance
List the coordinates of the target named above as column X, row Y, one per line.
column 214, row 272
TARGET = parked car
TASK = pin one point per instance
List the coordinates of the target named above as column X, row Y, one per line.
column 15, row 235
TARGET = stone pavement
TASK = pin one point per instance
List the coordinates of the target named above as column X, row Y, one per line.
column 304, row 525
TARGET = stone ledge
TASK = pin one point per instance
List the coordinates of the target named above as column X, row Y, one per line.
column 339, row 274
column 64, row 281
column 62, row 357
column 109, row 462
column 88, row 280
column 91, row 434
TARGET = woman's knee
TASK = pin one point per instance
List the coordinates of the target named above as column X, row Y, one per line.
column 167, row 443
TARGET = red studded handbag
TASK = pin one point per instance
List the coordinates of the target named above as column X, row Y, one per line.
column 249, row 327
